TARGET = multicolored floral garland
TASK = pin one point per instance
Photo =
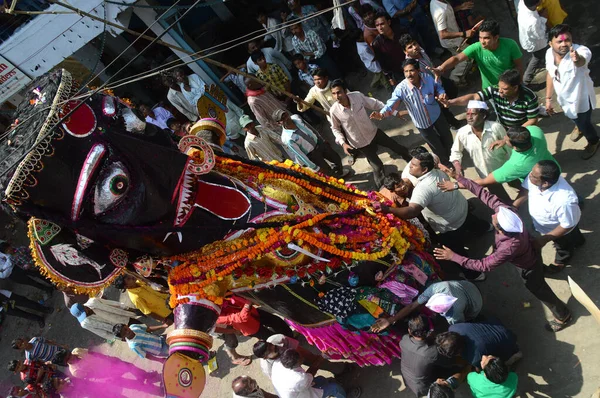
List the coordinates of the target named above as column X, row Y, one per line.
column 354, row 233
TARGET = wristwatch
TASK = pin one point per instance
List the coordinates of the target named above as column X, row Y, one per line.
column 456, row 185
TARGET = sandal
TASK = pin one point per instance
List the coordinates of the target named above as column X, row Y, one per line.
column 244, row 361
column 556, row 325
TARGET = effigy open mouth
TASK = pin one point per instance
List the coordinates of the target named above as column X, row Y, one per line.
column 188, row 189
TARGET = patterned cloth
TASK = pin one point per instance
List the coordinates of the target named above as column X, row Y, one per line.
column 317, row 24
column 339, row 302
column 275, row 76
column 388, row 301
column 41, row 351
column 147, row 343
column 22, row 258
column 312, row 43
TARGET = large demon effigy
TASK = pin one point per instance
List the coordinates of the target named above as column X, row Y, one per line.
column 105, row 193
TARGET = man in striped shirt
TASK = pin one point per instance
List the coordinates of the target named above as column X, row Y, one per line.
column 515, row 104
column 141, row 341
column 39, row 349
column 420, row 92
column 309, row 44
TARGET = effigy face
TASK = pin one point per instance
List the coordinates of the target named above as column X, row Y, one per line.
column 104, row 192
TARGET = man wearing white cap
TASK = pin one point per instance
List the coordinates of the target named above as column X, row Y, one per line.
column 513, row 244
column 477, row 138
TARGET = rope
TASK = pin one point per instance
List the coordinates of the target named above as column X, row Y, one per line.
column 178, row 63
column 100, row 52
column 102, row 86
column 257, row 35
column 166, row 7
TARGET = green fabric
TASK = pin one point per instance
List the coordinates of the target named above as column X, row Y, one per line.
column 481, row 387
column 492, row 63
column 519, row 164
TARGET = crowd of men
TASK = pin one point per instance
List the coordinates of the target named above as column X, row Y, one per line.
column 396, row 42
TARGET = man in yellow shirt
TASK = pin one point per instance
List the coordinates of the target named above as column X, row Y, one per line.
column 147, row 300
column 552, row 10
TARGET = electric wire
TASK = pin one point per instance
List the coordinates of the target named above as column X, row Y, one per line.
column 101, row 87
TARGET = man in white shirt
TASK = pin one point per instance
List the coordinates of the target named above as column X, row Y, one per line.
column 569, row 75
column 308, row 149
column 192, row 86
column 270, row 351
column 448, row 215
column 477, row 138
column 270, row 25
column 290, row 380
column 554, row 209
column 178, row 100
column 157, row 116
column 258, row 142
column 532, row 36
column 451, row 37
column 100, row 316
column 355, row 132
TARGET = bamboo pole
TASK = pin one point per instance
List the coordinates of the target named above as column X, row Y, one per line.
column 175, row 47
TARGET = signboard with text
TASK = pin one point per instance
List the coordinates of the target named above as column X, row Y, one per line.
column 12, row 80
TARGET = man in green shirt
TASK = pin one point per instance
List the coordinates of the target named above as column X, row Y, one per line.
column 493, row 54
column 495, row 380
column 529, row 147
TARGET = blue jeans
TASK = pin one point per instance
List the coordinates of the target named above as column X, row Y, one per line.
column 330, row 388
column 585, row 125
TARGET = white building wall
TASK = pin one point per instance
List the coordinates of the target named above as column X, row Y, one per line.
column 48, row 39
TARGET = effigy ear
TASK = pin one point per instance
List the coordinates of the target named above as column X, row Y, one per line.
column 72, row 260
column 183, row 376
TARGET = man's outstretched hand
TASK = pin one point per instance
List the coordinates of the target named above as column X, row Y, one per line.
column 380, row 325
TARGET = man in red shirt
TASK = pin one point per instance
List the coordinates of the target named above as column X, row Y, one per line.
column 239, row 316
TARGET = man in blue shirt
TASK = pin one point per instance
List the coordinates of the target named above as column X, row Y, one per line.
column 411, row 16
column 141, row 341
column 473, row 340
column 420, row 93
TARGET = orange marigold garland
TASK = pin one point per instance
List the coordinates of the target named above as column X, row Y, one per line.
column 353, row 234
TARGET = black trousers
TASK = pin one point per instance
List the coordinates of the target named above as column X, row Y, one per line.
column 272, row 324
column 11, row 303
column 321, row 154
column 537, row 285
column 455, row 241
column 439, row 137
column 566, row 244
column 23, row 277
column 370, row 152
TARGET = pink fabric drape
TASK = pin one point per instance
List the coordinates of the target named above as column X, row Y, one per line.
column 363, row 348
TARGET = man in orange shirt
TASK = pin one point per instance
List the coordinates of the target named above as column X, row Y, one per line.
column 239, row 316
